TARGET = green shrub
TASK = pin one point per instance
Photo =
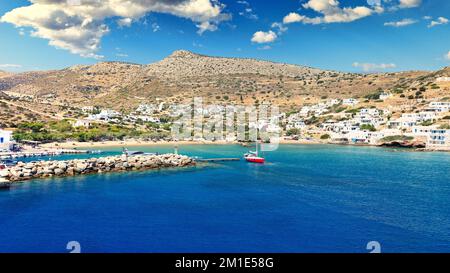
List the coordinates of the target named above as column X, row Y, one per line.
column 369, row 127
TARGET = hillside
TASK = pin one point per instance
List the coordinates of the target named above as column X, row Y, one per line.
column 183, row 75
column 4, row 74
column 185, row 64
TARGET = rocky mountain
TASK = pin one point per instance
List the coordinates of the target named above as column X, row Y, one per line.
column 185, row 64
column 184, row 74
column 4, row 74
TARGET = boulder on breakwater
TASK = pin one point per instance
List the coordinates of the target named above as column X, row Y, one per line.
column 41, row 169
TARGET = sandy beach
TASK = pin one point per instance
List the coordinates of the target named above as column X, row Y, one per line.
column 135, row 143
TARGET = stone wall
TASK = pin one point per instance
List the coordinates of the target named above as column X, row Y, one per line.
column 25, row 171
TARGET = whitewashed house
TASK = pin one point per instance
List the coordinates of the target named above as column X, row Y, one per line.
column 304, row 111
column 332, row 102
column 369, row 116
column 422, row 131
column 426, row 116
column 82, row 123
column 146, row 109
column 350, row 102
column 439, row 106
column 296, row 125
column 405, row 122
column 439, row 138
column 87, row 109
column 359, row 136
column 6, row 140
column 443, row 79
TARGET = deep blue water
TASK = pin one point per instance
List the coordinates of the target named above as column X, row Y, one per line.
column 306, row 199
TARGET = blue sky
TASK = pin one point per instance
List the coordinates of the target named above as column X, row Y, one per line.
column 345, row 35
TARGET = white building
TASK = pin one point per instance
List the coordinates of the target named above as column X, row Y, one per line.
column 405, row 122
column 385, row 96
column 422, row 131
column 332, row 102
column 87, row 109
column 143, row 118
column 439, row 138
column 6, row 140
column 105, row 115
column 350, row 102
column 146, row 109
column 426, row 116
column 439, row 106
column 443, row 79
column 304, row 111
column 82, row 123
column 296, row 125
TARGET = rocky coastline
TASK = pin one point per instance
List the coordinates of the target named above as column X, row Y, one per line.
column 42, row 169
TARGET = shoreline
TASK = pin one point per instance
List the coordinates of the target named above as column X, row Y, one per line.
column 74, row 145
column 135, row 143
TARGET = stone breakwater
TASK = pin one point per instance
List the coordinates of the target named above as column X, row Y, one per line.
column 37, row 153
column 41, row 169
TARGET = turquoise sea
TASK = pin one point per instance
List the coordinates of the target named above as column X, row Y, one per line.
column 310, row 198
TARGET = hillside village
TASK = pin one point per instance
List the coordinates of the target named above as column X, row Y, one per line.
column 111, row 101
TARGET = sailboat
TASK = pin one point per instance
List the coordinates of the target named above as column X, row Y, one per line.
column 253, row 157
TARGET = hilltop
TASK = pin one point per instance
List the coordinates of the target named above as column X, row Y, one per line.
column 185, row 64
column 4, row 74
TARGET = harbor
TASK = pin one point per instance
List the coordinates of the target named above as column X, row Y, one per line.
column 235, row 205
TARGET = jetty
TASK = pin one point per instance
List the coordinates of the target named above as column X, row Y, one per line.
column 37, row 153
column 42, row 169
column 217, row 159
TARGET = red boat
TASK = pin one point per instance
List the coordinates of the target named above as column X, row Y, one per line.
column 253, row 157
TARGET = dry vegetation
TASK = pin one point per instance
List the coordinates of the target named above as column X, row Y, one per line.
column 183, row 75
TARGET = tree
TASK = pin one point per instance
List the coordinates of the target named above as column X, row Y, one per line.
column 369, row 127
column 293, row 132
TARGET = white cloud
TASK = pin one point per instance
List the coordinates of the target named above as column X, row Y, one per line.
column 155, row 27
column 122, row 55
column 247, row 11
column 266, row 47
column 262, row 37
column 279, row 27
column 206, row 26
column 371, row 67
column 410, row 3
column 401, row 23
column 79, row 25
column 6, row 66
column 439, row 21
column 293, row 17
column 125, row 22
column 447, row 56
column 331, row 12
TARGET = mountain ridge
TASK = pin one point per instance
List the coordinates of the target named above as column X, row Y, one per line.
column 184, row 74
